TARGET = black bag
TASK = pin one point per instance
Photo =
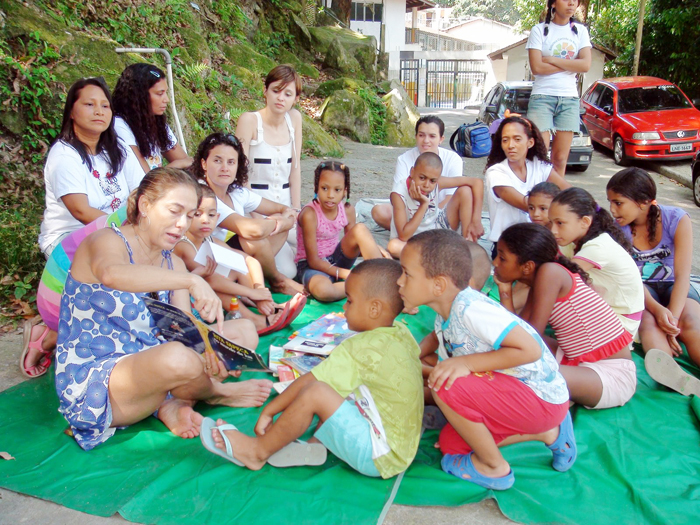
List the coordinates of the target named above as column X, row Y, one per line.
column 473, row 140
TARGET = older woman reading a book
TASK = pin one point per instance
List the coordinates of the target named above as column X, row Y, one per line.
column 112, row 367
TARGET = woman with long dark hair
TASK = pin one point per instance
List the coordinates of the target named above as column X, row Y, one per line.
column 140, row 102
column 87, row 174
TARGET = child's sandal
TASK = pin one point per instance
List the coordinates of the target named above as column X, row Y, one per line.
column 461, row 466
column 564, row 448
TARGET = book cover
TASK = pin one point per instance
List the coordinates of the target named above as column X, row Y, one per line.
column 177, row 325
column 309, row 346
column 303, row 363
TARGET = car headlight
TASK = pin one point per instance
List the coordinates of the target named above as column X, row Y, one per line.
column 580, row 141
column 646, row 135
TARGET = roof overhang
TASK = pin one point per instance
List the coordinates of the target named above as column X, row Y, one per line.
column 419, row 4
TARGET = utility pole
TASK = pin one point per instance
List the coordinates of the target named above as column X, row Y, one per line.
column 640, row 29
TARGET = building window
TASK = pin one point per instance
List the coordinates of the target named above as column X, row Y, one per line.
column 366, row 12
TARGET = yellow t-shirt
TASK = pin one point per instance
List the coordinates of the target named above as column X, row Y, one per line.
column 386, row 361
column 615, row 276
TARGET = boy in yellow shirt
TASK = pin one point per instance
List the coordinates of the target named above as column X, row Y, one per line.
column 378, row 432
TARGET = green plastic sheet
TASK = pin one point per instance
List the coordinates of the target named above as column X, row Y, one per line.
column 637, row 464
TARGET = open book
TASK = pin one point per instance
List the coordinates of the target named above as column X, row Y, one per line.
column 176, row 325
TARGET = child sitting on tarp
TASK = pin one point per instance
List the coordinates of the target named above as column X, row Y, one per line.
column 378, row 432
column 500, row 384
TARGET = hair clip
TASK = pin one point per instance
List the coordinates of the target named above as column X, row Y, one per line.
column 234, row 140
column 154, row 73
column 597, row 208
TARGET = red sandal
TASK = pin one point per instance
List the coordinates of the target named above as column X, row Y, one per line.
column 44, row 362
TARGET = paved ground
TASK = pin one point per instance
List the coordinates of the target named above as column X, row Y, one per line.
column 372, row 172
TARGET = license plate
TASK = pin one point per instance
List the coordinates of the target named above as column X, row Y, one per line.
column 681, row 147
column 585, row 157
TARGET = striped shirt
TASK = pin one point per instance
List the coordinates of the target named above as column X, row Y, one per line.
column 585, row 326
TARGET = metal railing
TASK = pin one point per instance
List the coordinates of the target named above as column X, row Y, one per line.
column 438, row 42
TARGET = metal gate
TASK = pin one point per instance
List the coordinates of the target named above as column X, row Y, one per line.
column 410, row 77
column 454, row 83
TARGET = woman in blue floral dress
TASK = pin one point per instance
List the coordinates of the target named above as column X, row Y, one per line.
column 111, row 368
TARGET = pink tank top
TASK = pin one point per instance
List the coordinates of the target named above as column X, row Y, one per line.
column 326, row 232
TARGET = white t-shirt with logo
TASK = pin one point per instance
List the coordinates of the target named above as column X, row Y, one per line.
column 560, row 42
column 451, row 167
column 65, row 173
column 155, row 159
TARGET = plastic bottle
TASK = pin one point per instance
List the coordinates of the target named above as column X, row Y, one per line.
column 233, row 312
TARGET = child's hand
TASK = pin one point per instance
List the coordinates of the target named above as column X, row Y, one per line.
column 416, row 194
column 675, row 346
column 447, row 372
column 266, row 306
column 206, row 270
column 263, row 424
column 260, row 294
column 666, row 321
column 474, row 231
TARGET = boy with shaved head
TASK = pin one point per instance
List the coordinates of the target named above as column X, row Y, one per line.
column 415, row 203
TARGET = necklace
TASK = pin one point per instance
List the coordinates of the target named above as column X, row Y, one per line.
column 145, row 247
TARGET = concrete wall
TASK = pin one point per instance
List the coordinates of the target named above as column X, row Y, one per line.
column 394, row 33
column 485, row 31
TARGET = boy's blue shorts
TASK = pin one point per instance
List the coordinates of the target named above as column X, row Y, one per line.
column 347, row 434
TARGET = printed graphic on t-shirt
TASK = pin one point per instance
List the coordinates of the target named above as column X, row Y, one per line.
column 564, row 48
column 653, row 267
column 109, row 185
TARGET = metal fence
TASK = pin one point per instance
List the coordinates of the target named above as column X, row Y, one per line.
column 410, row 77
column 454, row 83
column 439, row 42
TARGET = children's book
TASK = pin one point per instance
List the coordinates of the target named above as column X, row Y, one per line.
column 321, row 336
column 177, row 325
column 226, row 259
column 303, row 363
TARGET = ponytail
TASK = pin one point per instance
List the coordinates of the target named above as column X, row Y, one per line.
column 638, row 186
column 573, row 268
column 582, row 203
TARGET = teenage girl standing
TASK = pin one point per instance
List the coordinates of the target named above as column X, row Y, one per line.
column 558, row 49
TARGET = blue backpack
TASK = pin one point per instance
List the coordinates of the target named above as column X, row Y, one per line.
column 473, row 140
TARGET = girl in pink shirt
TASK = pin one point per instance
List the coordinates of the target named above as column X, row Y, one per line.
column 323, row 260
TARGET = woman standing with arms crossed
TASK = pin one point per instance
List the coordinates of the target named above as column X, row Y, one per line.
column 558, row 49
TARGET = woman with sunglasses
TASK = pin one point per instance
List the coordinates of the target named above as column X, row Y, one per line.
column 221, row 163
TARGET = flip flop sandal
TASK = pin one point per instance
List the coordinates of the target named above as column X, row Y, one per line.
column 299, row 453
column 564, row 448
column 46, row 355
column 277, row 325
column 665, row 370
column 461, row 466
column 208, row 424
column 297, row 304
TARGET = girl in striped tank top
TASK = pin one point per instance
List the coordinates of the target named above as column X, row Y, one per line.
column 590, row 341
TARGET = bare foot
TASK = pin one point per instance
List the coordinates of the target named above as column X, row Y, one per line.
column 179, row 417
column 286, row 286
column 250, row 393
column 261, row 323
column 243, row 446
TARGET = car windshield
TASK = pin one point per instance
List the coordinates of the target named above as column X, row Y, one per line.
column 516, row 100
column 652, row 98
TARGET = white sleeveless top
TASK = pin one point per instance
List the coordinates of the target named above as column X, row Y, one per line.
column 271, row 166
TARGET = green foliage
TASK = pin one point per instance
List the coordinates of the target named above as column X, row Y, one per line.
column 270, row 44
column 671, row 43
column 377, row 115
column 27, row 84
column 232, row 16
column 614, row 25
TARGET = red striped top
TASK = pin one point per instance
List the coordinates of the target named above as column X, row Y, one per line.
column 585, row 326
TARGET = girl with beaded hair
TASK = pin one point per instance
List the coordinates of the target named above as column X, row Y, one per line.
column 140, row 102
column 558, row 48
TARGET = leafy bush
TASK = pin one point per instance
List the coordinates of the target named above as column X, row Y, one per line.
column 377, row 115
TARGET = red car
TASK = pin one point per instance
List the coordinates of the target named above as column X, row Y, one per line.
column 642, row 117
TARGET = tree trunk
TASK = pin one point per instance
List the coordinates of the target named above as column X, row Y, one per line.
column 638, row 45
column 342, row 9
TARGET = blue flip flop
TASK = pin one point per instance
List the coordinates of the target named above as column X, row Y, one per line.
column 461, row 465
column 208, row 424
column 564, row 448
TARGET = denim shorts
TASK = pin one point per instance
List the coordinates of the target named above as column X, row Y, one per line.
column 554, row 113
column 661, row 292
column 337, row 258
column 347, row 434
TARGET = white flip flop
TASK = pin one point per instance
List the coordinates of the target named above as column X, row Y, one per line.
column 208, row 424
column 299, row 453
column 665, row 370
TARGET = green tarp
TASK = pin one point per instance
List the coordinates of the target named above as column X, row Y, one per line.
column 637, row 464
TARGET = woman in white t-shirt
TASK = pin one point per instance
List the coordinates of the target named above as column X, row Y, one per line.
column 518, row 161
column 558, row 49
column 88, row 173
column 221, row 163
column 140, row 102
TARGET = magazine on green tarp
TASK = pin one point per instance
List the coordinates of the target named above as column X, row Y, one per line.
column 177, row 325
